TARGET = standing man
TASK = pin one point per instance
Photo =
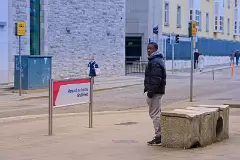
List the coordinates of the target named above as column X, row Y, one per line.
column 196, row 55
column 237, row 57
column 154, row 85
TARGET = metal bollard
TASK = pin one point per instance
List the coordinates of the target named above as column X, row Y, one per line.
column 213, row 73
column 233, row 69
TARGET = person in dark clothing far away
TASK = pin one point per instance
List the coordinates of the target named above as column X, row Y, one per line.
column 92, row 65
column 196, row 55
column 237, row 57
column 154, row 85
column 232, row 55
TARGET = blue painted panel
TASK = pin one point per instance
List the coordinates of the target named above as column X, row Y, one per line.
column 37, row 71
column 182, row 51
column 209, row 47
column 24, row 72
column 40, row 71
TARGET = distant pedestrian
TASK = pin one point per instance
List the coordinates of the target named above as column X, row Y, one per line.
column 237, row 57
column 92, row 65
column 196, row 55
column 232, row 56
column 201, row 62
column 154, row 85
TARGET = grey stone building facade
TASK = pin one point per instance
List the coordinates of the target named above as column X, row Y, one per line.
column 71, row 31
column 141, row 17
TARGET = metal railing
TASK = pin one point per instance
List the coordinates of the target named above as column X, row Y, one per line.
column 206, row 67
column 133, row 58
column 136, row 67
column 133, row 67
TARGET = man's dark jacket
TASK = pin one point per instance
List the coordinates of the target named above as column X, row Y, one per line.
column 155, row 75
column 237, row 54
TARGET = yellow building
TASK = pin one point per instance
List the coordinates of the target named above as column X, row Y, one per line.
column 218, row 23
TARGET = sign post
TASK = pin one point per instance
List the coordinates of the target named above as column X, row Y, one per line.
column 91, row 104
column 192, row 64
column 50, row 107
column 192, row 33
column 20, row 68
column 165, row 50
column 68, row 92
column 20, row 30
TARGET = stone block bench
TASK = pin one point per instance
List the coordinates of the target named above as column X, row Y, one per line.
column 194, row 126
column 221, row 121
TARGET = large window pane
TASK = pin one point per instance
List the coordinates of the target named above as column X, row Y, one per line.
column 35, row 27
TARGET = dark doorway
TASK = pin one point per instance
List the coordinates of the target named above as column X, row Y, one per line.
column 133, row 48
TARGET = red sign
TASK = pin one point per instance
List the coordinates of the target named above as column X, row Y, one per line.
column 71, row 92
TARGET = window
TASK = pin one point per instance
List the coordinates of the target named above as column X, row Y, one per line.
column 191, row 4
column 35, row 27
column 216, row 23
column 236, row 3
column 191, row 15
column 216, row 8
column 221, row 24
column 197, row 18
column 219, row 16
column 179, row 17
column 200, row 21
column 207, row 22
column 239, row 27
column 228, row 26
column 235, row 27
column 235, row 21
column 229, row 4
column 166, row 18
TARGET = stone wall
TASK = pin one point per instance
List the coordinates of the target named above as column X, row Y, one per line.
column 76, row 31
column 72, row 32
column 19, row 10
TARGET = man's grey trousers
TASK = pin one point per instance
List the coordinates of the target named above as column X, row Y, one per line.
column 155, row 105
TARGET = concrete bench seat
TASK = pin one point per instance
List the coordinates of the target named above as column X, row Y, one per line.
column 196, row 126
column 180, row 128
column 221, row 121
column 207, row 124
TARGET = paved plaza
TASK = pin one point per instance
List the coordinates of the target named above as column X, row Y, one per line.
column 120, row 128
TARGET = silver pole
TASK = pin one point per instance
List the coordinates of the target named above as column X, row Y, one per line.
column 213, row 73
column 191, row 80
column 91, row 104
column 173, row 47
column 50, row 107
column 165, row 49
column 20, row 67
